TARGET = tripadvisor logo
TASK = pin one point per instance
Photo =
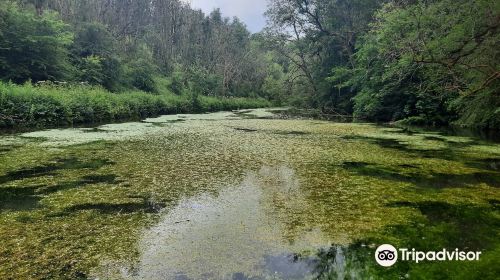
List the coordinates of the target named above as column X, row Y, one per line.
column 387, row 255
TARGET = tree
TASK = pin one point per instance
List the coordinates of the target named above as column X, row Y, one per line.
column 315, row 36
column 140, row 70
column 93, row 45
column 33, row 47
column 430, row 61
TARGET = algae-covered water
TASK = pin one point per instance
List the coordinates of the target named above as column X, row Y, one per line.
column 244, row 195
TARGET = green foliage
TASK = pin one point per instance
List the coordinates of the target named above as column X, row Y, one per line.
column 203, row 82
column 163, row 85
column 194, row 100
column 52, row 105
column 429, row 63
column 94, row 39
column 121, row 47
column 274, row 83
column 313, row 37
column 424, row 62
column 481, row 110
column 91, row 70
column 141, row 70
column 178, row 82
column 95, row 52
column 214, row 104
column 33, row 47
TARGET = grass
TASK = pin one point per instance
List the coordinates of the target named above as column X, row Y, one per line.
column 53, row 105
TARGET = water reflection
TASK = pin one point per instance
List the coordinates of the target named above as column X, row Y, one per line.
column 234, row 235
column 245, row 233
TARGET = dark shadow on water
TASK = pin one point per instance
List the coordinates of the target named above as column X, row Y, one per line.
column 450, row 225
column 488, row 168
column 451, row 152
column 96, row 179
column 382, row 142
column 110, row 179
column 292, row 133
column 27, row 198
column 51, row 168
column 94, row 130
column 19, row 199
column 245, row 129
column 412, row 174
column 446, row 154
column 354, row 164
column 486, row 164
column 145, row 205
column 5, row 149
column 272, row 131
column 435, row 138
column 21, row 203
column 494, row 203
column 490, row 135
column 404, row 130
column 110, row 208
column 176, row 121
column 408, row 166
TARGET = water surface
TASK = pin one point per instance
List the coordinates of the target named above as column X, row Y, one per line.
column 243, row 195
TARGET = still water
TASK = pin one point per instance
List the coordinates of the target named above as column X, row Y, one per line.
column 244, row 195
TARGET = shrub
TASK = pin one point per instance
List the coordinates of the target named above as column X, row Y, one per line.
column 51, row 105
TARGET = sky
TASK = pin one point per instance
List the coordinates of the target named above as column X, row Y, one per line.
column 249, row 11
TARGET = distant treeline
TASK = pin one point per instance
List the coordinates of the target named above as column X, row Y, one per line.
column 120, row 45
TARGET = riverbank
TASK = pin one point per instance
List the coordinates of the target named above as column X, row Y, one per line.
column 28, row 106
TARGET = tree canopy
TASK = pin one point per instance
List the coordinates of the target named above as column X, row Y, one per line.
column 425, row 62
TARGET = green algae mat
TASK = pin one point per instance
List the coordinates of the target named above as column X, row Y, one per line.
column 245, row 196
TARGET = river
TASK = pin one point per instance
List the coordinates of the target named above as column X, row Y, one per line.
column 243, row 195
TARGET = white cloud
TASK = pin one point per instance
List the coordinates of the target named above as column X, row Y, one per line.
column 251, row 12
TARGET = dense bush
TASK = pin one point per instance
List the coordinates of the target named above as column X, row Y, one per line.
column 52, row 105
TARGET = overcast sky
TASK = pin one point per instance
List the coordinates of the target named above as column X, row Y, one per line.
column 249, row 11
